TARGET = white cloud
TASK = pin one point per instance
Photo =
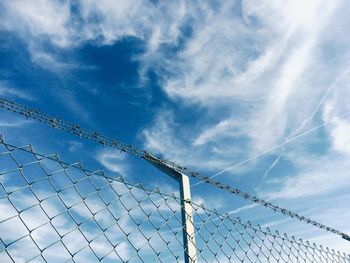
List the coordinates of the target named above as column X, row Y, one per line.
column 318, row 176
column 113, row 160
column 7, row 91
column 165, row 129
column 75, row 146
column 257, row 70
column 242, row 208
column 261, row 54
column 12, row 124
column 212, row 133
column 115, row 18
column 44, row 234
column 166, row 136
column 217, row 203
column 329, row 171
column 337, row 110
column 39, row 18
column 10, row 121
column 341, row 135
column 106, row 20
column 49, row 61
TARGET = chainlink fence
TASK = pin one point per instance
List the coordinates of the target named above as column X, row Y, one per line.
column 53, row 211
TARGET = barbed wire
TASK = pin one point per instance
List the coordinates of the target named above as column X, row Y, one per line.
column 54, row 211
column 104, row 140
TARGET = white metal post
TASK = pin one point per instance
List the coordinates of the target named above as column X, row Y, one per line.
column 188, row 228
column 187, row 220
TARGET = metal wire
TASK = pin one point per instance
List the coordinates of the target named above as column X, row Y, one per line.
column 53, row 211
column 94, row 136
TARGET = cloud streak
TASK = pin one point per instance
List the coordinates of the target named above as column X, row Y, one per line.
column 5, row 90
column 113, row 160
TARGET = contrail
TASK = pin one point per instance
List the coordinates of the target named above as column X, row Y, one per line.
column 271, row 167
column 306, row 121
column 286, row 141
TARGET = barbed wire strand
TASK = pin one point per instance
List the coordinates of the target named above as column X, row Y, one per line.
column 106, row 141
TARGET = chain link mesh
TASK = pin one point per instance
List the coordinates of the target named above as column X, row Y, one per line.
column 53, row 211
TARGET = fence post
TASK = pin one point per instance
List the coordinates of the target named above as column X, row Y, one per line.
column 188, row 229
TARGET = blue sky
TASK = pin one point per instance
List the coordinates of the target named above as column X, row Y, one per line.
column 209, row 84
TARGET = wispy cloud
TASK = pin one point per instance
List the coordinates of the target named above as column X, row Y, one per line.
column 166, row 136
column 334, row 108
column 75, row 146
column 113, row 160
column 7, row 91
column 12, row 124
column 242, row 208
column 215, row 63
column 328, row 171
column 258, row 86
column 40, row 18
column 10, row 121
column 319, row 176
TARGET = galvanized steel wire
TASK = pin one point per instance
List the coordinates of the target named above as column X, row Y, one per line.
column 54, row 211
